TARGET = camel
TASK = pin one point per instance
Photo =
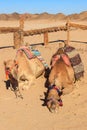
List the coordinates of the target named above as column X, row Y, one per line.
column 60, row 81
column 62, row 76
column 24, row 70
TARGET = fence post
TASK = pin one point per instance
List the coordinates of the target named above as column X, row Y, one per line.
column 68, row 32
column 17, row 39
column 19, row 35
column 46, row 38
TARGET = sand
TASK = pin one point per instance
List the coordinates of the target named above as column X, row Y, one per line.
column 29, row 114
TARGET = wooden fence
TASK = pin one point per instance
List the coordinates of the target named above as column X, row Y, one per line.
column 19, row 32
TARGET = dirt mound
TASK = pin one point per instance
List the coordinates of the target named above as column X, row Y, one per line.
column 45, row 15
column 83, row 15
column 80, row 16
column 60, row 16
column 3, row 17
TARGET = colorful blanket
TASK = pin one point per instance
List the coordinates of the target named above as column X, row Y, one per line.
column 27, row 51
column 31, row 53
column 38, row 55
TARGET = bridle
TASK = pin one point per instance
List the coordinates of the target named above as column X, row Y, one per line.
column 56, row 88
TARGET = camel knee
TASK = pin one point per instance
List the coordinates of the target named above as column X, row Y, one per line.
column 68, row 89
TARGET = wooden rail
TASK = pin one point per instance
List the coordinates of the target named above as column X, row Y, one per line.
column 83, row 27
column 41, row 31
column 9, row 29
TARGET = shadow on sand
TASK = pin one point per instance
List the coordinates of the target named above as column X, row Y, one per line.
column 4, row 47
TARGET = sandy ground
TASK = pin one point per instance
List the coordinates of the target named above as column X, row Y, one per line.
column 29, row 114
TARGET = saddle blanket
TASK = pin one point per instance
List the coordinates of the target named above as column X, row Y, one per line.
column 32, row 53
column 75, row 60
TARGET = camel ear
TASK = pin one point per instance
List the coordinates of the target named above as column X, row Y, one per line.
column 14, row 61
column 4, row 63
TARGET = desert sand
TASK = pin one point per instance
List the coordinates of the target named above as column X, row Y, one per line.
column 29, row 114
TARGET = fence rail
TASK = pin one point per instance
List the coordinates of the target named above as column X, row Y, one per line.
column 9, row 29
column 83, row 27
column 40, row 31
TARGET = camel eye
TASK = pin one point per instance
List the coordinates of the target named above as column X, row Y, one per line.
column 16, row 65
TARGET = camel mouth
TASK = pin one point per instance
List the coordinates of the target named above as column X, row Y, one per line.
column 53, row 105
